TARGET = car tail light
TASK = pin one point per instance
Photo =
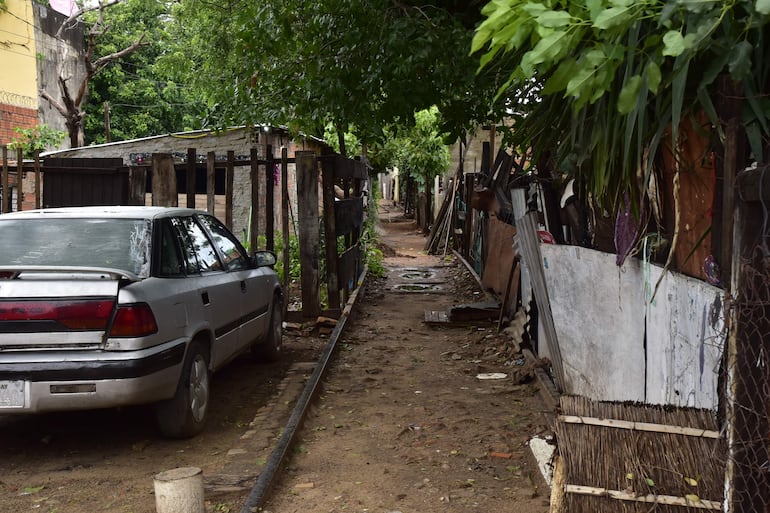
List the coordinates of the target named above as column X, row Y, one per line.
column 74, row 315
column 133, row 321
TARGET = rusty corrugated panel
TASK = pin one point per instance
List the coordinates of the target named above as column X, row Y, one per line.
column 499, row 256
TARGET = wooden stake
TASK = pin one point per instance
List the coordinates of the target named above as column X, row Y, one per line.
column 19, row 179
column 6, row 188
column 512, row 276
column 211, row 160
column 639, row 426
column 192, row 159
column 669, row 500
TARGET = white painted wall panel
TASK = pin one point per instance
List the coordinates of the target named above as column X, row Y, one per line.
column 598, row 311
column 601, row 315
column 685, row 340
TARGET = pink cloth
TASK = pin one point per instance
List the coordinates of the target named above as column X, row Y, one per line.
column 66, row 7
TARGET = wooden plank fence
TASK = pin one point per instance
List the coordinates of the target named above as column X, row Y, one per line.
column 324, row 217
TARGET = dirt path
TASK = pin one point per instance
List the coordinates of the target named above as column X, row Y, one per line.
column 404, row 424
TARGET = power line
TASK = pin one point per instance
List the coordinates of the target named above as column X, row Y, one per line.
column 155, row 106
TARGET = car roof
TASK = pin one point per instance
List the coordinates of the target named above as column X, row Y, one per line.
column 120, row 212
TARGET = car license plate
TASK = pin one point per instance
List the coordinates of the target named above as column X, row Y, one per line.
column 11, row 394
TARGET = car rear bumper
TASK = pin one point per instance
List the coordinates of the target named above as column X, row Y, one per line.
column 77, row 380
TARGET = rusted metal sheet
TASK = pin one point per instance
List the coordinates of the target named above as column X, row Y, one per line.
column 499, row 256
column 696, row 185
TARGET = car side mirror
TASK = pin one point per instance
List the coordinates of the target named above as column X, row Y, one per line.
column 264, row 258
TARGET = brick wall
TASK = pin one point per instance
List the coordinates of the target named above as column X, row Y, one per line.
column 11, row 117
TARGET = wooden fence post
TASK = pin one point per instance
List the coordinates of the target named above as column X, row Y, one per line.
column 6, row 190
column 38, row 189
column 192, row 162
column 254, row 231
column 229, row 179
column 269, row 198
column 137, row 185
column 164, row 191
column 468, row 225
column 732, row 155
column 330, row 232
column 285, row 225
column 307, row 205
column 19, row 179
column 748, row 344
column 211, row 160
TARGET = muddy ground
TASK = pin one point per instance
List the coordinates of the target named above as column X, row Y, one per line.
column 403, row 422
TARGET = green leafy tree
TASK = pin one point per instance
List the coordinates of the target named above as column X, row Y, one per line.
column 70, row 98
column 38, row 138
column 604, row 78
column 418, row 150
column 351, row 143
column 145, row 91
column 357, row 65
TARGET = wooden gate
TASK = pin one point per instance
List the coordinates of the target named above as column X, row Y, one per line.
column 85, row 181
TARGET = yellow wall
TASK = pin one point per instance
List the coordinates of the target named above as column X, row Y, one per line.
column 18, row 63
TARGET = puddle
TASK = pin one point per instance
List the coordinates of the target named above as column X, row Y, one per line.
column 416, row 287
column 417, row 275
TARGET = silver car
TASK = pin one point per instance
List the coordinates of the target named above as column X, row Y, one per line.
column 111, row 306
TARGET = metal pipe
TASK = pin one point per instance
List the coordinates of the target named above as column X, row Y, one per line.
column 266, row 479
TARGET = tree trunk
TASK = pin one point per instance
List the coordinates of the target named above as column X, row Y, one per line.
column 341, row 139
column 75, row 129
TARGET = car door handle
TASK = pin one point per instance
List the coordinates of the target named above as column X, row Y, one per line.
column 243, row 286
column 205, row 298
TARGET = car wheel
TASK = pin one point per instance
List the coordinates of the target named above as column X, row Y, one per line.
column 270, row 349
column 184, row 415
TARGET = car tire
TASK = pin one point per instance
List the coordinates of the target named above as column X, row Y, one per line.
column 270, row 349
column 184, row 415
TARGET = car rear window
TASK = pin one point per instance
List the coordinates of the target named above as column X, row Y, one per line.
column 114, row 243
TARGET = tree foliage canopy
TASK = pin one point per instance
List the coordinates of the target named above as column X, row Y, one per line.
column 418, row 150
column 606, row 77
column 145, row 90
column 359, row 64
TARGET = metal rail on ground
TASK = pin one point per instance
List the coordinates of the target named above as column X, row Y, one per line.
column 266, row 479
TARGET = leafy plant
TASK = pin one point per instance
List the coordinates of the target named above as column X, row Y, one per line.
column 352, row 143
column 35, row 139
column 418, row 150
column 293, row 249
column 374, row 256
column 145, row 92
column 354, row 65
column 600, row 81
